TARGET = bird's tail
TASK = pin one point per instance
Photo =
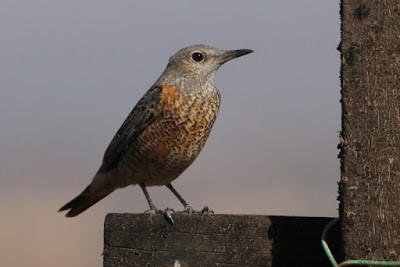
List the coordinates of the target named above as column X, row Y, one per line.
column 84, row 201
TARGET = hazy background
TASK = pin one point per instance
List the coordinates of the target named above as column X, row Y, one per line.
column 71, row 71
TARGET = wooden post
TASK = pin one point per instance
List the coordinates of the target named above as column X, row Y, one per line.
column 370, row 139
column 214, row 240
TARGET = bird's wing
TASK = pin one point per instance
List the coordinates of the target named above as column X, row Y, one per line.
column 146, row 110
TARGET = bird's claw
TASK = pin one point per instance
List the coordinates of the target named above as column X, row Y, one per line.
column 189, row 210
column 206, row 210
column 151, row 211
column 166, row 214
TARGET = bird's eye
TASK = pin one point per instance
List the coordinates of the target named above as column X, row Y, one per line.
column 197, row 56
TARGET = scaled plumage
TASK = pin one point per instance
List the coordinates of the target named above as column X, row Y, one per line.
column 165, row 131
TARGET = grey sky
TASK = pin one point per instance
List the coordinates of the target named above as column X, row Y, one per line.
column 71, row 71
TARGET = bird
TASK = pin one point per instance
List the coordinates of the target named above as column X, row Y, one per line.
column 165, row 131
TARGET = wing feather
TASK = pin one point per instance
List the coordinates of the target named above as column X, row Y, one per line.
column 145, row 111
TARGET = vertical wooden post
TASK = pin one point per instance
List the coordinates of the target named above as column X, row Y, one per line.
column 370, row 139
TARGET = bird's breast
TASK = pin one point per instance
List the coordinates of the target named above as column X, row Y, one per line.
column 182, row 129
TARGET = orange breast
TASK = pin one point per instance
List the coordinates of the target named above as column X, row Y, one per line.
column 179, row 134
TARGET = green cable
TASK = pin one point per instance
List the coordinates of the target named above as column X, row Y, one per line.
column 349, row 262
column 325, row 245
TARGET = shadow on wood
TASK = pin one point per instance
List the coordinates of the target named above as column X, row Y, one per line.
column 216, row 240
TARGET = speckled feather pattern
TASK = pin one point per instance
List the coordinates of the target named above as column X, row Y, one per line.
column 165, row 131
column 173, row 140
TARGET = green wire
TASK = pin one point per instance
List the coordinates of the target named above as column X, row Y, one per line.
column 349, row 262
column 325, row 245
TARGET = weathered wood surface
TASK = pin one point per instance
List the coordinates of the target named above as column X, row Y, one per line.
column 216, row 240
column 370, row 147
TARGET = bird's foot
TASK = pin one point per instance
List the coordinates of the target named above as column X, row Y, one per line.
column 189, row 210
column 206, row 210
column 150, row 211
column 166, row 214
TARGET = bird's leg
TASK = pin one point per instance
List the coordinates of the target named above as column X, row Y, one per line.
column 188, row 209
column 146, row 194
column 153, row 208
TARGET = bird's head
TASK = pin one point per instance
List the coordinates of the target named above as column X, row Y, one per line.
column 198, row 63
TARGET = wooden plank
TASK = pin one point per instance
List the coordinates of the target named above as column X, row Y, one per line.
column 213, row 240
column 370, row 138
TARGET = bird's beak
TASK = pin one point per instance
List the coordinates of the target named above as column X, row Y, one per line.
column 231, row 54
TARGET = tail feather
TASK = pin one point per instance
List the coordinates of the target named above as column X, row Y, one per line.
column 83, row 201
